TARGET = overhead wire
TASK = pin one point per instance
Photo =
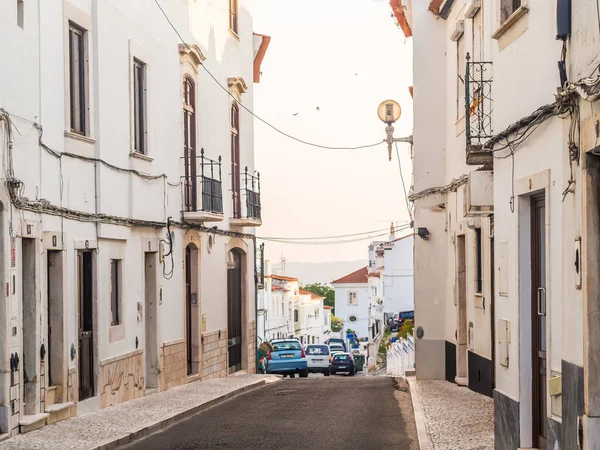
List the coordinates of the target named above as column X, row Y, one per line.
column 323, row 237
column 333, row 242
column 226, row 90
column 408, row 210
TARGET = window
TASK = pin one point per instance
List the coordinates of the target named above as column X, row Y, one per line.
column 77, row 79
column 233, row 15
column 461, row 66
column 235, row 161
column 352, row 299
column 478, row 260
column 115, row 296
column 352, row 319
column 507, row 8
column 20, row 13
column 374, row 291
column 139, row 106
column 295, row 315
column 316, row 313
column 286, row 346
column 189, row 142
column 477, row 38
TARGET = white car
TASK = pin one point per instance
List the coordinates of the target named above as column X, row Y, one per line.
column 318, row 358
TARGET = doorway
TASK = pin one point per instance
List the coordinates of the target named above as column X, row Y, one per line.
column 234, row 311
column 85, row 281
column 54, row 292
column 461, row 303
column 538, row 319
column 30, row 314
column 151, row 350
column 191, row 309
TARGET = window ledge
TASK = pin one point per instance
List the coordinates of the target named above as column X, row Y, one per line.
column 138, row 155
column 514, row 17
column 234, row 34
column 79, row 137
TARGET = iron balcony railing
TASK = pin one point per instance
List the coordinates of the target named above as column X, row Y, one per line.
column 252, row 188
column 479, row 103
column 202, row 185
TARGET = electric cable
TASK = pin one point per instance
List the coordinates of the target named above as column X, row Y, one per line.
column 326, row 147
column 408, row 210
column 322, row 237
column 345, row 241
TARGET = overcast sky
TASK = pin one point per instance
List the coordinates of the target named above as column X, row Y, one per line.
column 344, row 57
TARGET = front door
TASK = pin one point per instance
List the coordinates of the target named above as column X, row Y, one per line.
column 461, row 303
column 86, row 325
column 234, row 312
column 150, row 341
column 188, row 307
column 538, row 315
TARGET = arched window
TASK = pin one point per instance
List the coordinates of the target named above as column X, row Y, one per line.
column 189, row 142
column 235, row 160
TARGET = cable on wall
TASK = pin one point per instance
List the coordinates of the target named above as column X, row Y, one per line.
column 250, row 111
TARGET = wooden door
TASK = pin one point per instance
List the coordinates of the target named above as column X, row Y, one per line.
column 234, row 313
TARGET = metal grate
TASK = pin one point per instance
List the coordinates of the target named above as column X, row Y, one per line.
column 460, row 81
column 478, row 100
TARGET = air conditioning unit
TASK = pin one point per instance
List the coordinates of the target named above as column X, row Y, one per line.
column 459, row 30
column 472, row 7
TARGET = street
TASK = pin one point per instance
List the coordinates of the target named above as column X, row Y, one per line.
column 337, row 412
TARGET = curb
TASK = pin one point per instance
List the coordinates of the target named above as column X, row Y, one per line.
column 170, row 420
column 424, row 442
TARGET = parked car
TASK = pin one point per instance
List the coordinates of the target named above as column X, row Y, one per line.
column 340, row 341
column 336, row 348
column 318, row 358
column 287, row 358
column 343, row 362
column 395, row 322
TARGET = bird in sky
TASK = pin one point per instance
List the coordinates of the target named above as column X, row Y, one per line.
column 295, row 114
column 318, row 108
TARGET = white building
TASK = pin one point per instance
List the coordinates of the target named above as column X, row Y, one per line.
column 118, row 149
column 506, row 285
column 397, row 275
column 352, row 301
column 287, row 311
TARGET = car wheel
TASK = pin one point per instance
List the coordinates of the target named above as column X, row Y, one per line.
column 292, row 375
column 351, row 373
column 304, row 374
column 326, row 373
column 333, row 372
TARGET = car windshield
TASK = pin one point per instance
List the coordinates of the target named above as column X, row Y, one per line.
column 406, row 315
column 286, row 345
column 338, row 348
column 317, row 350
column 341, row 357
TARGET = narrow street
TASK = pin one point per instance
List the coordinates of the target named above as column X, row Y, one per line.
column 316, row 413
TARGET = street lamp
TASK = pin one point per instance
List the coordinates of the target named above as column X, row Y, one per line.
column 389, row 112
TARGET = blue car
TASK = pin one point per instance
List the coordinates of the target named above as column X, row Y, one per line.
column 287, row 358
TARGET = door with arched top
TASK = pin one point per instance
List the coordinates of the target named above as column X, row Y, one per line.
column 234, row 311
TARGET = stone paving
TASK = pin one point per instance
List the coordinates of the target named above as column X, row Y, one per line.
column 455, row 417
column 100, row 429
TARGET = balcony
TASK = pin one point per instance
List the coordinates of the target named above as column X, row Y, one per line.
column 478, row 114
column 246, row 204
column 202, row 189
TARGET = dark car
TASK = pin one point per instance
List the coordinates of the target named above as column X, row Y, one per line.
column 343, row 362
column 340, row 341
column 406, row 315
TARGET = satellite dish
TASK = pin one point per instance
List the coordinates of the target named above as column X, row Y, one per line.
column 389, row 111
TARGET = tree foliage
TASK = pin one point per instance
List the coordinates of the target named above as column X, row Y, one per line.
column 336, row 323
column 322, row 290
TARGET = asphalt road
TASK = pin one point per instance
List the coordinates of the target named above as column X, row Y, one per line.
column 337, row 412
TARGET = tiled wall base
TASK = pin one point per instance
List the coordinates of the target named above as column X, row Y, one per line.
column 121, row 379
column 214, row 354
column 252, row 344
column 173, row 363
column 506, row 422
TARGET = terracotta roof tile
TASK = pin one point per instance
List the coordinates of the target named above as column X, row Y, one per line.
column 398, row 10
column 281, row 278
column 359, row 276
column 277, row 288
column 327, row 307
column 312, row 294
column 375, row 275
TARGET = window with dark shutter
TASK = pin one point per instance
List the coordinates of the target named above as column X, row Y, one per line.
column 461, row 64
column 139, row 106
column 115, row 297
column 77, row 79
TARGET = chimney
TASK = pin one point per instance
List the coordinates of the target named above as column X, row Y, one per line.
column 392, row 232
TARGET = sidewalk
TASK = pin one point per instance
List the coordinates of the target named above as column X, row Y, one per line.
column 451, row 417
column 120, row 424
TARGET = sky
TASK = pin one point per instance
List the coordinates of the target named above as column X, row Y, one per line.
column 343, row 57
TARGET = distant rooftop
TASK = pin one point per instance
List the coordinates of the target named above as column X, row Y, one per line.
column 357, row 277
